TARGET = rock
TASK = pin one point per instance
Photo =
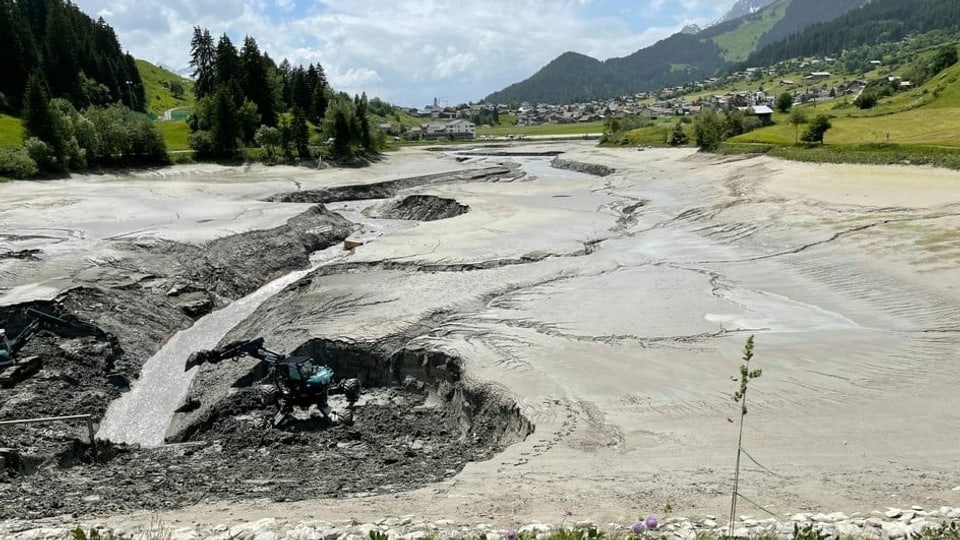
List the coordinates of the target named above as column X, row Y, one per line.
column 894, row 530
column 848, row 530
column 709, row 523
column 43, row 533
column 329, row 533
column 837, row 517
column 893, row 513
column 917, row 508
column 415, row 535
column 742, row 532
column 183, row 533
column 800, row 517
column 364, row 529
column 539, row 528
column 907, row 517
column 874, row 522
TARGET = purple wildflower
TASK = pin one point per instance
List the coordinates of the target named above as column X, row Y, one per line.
column 638, row 527
column 511, row 534
column 651, row 522
column 567, row 512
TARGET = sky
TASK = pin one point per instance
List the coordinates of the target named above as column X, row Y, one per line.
column 407, row 52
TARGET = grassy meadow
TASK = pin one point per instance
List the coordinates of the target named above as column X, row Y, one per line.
column 159, row 97
column 11, row 131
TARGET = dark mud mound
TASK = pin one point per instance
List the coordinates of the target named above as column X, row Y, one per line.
column 423, row 208
column 155, row 289
column 199, row 278
column 390, row 188
column 418, row 422
column 579, row 166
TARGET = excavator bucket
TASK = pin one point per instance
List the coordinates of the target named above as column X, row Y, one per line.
column 197, row 358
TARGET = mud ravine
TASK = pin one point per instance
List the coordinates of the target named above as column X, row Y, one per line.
column 563, row 331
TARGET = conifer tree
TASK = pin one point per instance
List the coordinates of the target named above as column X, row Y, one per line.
column 38, row 118
column 255, row 82
column 203, row 55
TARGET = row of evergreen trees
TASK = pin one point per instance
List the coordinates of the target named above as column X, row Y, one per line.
column 244, row 98
column 75, row 57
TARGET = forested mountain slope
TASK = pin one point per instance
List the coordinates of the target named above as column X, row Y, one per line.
column 76, row 57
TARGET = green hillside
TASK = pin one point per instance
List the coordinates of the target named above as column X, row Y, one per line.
column 737, row 44
column 926, row 116
column 164, row 89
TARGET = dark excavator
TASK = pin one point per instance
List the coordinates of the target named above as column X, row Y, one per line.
column 13, row 368
column 296, row 381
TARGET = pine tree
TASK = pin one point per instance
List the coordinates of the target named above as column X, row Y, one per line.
column 318, row 104
column 301, row 133
column 255, row 82
column 202, row 60
column 226, row 70
column 225, row 127
column 364, row 123
column 40, row 121
column 61, row 66
column 19, row 55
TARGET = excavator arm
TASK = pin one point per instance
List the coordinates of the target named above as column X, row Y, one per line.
column 40, row 320
column 251, row 347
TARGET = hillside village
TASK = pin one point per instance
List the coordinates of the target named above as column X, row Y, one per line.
column 808, row 80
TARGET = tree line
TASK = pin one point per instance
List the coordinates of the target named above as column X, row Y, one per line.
column 73, row 56
column 246, row 99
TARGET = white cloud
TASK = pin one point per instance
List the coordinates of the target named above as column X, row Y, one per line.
column 406, row 51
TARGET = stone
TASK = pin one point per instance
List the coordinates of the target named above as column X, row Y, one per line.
column 800, row 517
column 539, row 528
column 742, row 532
column 709, row 523
column 185, row 533
column 893, row 513
column 848, row 529
column 894, row 530
column 837, row 517
column 908, row 516
column 415, row 535
column 874, row 522
column 329, row 533
column 917, row 508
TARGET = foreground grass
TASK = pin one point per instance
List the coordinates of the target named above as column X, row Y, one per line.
column 11, row 131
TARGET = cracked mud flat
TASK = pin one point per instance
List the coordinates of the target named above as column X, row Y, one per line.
column 613, row 310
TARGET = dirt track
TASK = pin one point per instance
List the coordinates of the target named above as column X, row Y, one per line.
column 613, row 309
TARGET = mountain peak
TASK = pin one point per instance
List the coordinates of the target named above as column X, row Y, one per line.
column 744, row 7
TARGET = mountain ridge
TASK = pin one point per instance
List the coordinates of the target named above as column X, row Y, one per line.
column 678, row 59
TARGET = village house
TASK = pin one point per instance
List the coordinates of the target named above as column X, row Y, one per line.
column 455, row 129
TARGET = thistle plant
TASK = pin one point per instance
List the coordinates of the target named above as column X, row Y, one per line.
column 740, row 397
